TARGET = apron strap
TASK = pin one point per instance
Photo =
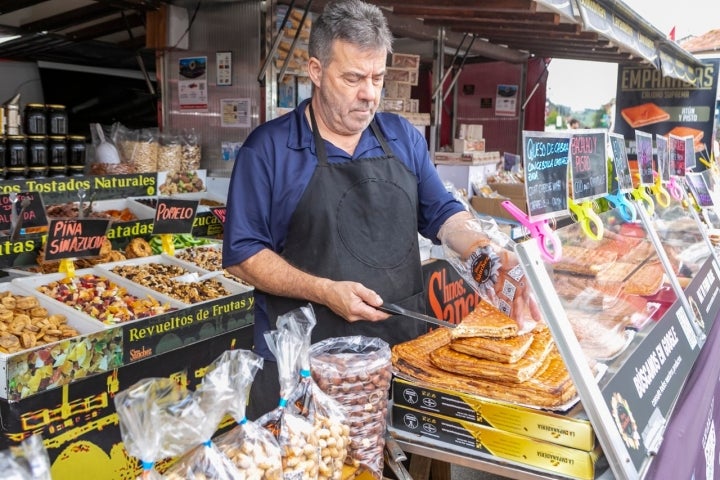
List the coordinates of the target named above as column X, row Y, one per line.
column 319, row 142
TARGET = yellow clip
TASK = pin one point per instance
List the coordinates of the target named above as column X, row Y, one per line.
column 660, row 192
column 167, row 244
column 640, row 194
column 585, row 215
column 67, row 267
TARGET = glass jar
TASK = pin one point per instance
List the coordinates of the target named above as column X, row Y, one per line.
column 37, row 155
column 16, row 156
column 58, row 156
column 35, row 120
column 3, row 173
column 76, row 151
column 57, row 120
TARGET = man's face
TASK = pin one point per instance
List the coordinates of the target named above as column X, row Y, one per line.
column 350, row 87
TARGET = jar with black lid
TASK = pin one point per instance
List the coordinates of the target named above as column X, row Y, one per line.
column 15, row 156
column 57, row 120
column 37, row 153
column 58, row 160
column 3, row 173
column 35, row 119
column 76, row 154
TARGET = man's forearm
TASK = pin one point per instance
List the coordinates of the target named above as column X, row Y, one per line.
column 269, row 272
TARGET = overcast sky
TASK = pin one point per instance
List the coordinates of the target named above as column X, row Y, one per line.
column 689, row 17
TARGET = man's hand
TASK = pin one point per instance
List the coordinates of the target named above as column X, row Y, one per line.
column 353, row 301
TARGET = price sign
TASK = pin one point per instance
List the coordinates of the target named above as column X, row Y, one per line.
column 546, row 155
column 173, row 215
column 678, row 155
column 663, row 157
column 588, row 164
column 82, row 237
column 219, row 212
column 699, row 189
column 644, row 148
column 622, row 178
column 33, row 214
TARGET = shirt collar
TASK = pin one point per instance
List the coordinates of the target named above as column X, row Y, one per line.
column 301, row 135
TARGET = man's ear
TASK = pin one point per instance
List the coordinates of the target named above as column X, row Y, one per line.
column 314, row 68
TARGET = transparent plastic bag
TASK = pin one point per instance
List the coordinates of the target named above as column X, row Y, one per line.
column 192, row 422
column 27, row 461
column 295, row 434
column 308, row 400
column 355, row 371
column 191, row 150
column 170, row 153
column 138, row 148
column 138, row 409
column 253, row 449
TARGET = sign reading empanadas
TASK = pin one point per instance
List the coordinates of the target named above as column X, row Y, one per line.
column 645, row 114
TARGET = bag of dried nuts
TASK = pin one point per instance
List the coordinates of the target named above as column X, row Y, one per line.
column 356, row 372
column 193, row 421
column 191, row 152
column 311, row 402
column 252, row 448
column 140, row 424
column 295, row 433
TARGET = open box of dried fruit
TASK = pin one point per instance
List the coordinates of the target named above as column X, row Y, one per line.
column 159, row 273
column 99, row 297
column 44, row 344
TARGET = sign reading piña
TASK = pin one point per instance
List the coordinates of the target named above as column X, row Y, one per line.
column 75, row 238
column 174, row 215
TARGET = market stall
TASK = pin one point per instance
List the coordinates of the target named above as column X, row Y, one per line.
column 659, row 327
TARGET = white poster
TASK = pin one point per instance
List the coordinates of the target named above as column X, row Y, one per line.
column 192, row 83
column 235, row 112
column 506, row 100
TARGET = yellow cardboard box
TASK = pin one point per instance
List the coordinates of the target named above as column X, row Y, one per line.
column 567, row 430
column 526, row 451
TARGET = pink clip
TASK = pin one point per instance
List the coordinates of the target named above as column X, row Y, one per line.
column 540, row 231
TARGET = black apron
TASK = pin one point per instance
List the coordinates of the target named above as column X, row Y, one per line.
column 357, row 221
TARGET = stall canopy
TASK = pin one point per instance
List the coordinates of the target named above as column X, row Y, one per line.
column 513, row 30
column 111, row 33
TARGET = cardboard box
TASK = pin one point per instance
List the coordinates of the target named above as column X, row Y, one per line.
column 563, row 430
column 493, row 206
column 79, row 424
column 512, row 190
column 526, row 451
column 470, row 131
column 464, row 145
column 462, row 176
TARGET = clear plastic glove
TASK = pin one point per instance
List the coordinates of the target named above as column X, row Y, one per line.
column 485, row 258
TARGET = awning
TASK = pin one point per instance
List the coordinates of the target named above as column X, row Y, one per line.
column 513, row 30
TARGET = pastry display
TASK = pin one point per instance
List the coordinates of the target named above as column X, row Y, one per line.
column 102, row 299
column 138, row 248
column 486, row 321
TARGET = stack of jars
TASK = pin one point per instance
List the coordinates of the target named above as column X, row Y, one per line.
column 43, row 148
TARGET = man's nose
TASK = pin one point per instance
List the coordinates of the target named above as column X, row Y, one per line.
column 367, row 90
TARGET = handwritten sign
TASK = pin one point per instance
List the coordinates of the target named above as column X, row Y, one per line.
column 79, row 238
column 644, row 148
column 622, row 178
column 588, row 164
column 663, row 157
column 547, row 155
column 173, row 215
column 690, row 162
column 676, row 147
column 32, row 216
column 699, row 189
column 219, row 212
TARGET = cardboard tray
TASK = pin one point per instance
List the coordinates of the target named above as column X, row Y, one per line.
column 233, row 287
column 30, row 285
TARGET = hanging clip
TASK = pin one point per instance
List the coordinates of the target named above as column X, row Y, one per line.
column 539, row 230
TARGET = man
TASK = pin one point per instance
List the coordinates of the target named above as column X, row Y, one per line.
column 325, row 203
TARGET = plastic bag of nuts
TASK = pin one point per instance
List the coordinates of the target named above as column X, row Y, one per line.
column 310, row 401
column 295, row 434
column 356, row 372
column 192, row 422
column 252, row 449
